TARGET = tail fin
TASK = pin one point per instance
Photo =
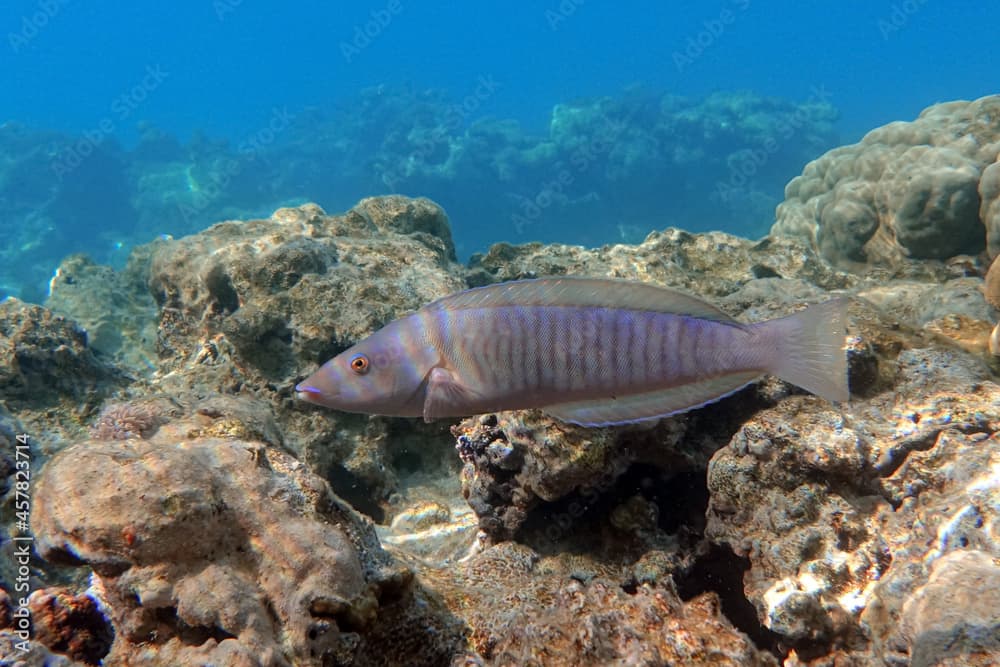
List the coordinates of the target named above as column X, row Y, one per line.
column 811, row 350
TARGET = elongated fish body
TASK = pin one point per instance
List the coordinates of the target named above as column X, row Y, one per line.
column 587, row 351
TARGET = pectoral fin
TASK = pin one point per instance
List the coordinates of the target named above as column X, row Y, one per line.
column 446, row 396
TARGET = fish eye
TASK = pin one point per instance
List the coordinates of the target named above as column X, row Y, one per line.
column 359, row 364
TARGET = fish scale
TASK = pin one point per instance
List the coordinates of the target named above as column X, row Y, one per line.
column 588, row 351
column 594, row 334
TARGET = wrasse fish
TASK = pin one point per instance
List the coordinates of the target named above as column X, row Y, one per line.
column 588, row 351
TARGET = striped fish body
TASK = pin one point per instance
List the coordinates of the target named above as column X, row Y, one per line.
column 530, row 356
column 588, row 351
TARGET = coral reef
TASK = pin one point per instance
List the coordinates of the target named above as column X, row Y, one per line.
column 527, row 610
column 991, row 290
column 226, row 551
column 252, row 307
column 45, row 358
column 70, row 624
column 927, row 189
column 115, row 308
column 768, row 528
column 515, row 461
column 54, row 207
column 843, row 513
column 599, row 171
column 954, row 617
column 603, row 166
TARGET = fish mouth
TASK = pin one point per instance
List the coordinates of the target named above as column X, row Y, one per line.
column 307, row 392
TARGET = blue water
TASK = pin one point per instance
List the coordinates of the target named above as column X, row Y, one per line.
column 205, row 72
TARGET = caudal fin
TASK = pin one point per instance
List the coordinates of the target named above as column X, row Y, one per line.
column 811, row 351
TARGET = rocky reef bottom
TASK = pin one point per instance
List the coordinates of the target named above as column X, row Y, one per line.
column 167, row 501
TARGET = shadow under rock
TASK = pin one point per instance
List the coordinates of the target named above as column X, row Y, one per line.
column 355, row 491
column 721, row 571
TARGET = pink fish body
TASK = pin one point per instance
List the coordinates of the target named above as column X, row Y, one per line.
column 585, row 350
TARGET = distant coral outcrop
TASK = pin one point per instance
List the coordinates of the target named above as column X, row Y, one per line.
column 924, row 189
column 592, row 171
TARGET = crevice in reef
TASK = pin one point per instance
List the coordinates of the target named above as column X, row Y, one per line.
column 221, row 288
column 682, row 500
column 895, row 458
column 355, row 491
column 193, row 635
column 721, row 571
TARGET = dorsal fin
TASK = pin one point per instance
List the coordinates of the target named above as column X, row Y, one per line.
column 574, row 291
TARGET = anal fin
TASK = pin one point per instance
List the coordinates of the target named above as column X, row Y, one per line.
column 651, row 404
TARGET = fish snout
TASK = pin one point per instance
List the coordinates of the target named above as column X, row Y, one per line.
column 310, row 393
column 321, row 387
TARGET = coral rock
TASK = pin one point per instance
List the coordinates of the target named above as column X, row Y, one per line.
column 70, row 624
column 114, row 308
column 254, row 306
column 843, row 512
column 921, row 189
column 218, row 550
column 525, row 610
column 515, row 460
column 45, row 357
column 955, row 616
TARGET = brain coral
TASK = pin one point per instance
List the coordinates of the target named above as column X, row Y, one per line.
column 926, row 189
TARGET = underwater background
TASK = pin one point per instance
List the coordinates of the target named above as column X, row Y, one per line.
column 206, row 208
column 572, row 121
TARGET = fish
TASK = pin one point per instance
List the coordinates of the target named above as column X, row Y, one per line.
column 588, row 351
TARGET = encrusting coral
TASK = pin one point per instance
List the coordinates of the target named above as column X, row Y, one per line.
column 124, row 421
column 771, row 526
column 925, row 189
column 225, row 551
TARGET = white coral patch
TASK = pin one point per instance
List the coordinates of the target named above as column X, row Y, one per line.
column 854, row 601
column 776, row 595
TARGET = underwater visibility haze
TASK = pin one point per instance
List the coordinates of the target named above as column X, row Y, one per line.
column 568, row 121
column 563, row 333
